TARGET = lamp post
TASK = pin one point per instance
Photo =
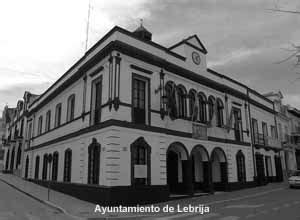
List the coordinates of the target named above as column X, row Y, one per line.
column 49, row 161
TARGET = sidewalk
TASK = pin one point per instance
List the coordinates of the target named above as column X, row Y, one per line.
column 79, row 209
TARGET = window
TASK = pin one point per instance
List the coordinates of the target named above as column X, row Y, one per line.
column 220, row 108
column 140, row 162
column 40, row 125
column 202, row 108
column 211, row 104
column 241, row 169
column 68, row 165
column 273, row 131
column 12, row 159
column 170, row 90
column 193, row 106
column 265, row 133
column 238, row 126
column 19, row 152
column 181, row 93
column 139, row 98
column 57, row 115
column 255, row 130
column 96, row 100
column 280, row 131
column 48, row 121
column 29, row 131
column 55, row 166
column 71, row 107
column 37, row 167
column 94, row 162
column 45, row 167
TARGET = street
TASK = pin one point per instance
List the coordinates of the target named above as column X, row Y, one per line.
column 15, row 205
column 280, row 204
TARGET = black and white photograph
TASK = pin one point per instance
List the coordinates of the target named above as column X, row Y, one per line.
column 150, row 109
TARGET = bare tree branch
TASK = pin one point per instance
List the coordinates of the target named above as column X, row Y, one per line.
column 286, row 59
column 284, row 11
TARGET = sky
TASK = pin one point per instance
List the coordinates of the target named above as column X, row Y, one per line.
column 40, row 40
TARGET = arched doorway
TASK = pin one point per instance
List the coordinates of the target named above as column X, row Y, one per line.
column 200, row 168
column 178, row 168
column 219, row 169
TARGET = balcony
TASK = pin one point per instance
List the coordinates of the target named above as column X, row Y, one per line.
column 274, row 142
column 296, row 131
column 267, row 141
column 199, row 131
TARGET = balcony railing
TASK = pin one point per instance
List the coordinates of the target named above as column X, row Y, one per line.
column 296, row 131
column 199, row 131
column 268, row 141
column 274, row 142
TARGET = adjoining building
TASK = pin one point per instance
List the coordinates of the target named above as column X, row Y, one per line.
column 135, row 122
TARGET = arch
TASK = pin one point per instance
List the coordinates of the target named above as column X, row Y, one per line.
column 94, row 162
column 12, row 159
column 140, row 158
column 170, row 92
column 26, row 167
column 177, row 163
column 220, row 114
column 211, row 103
column 181, row 97
column 180, row 149
column 68, row 165
column 55, row 166
column 37, row 167
column 241, row 168
column 219, row 168
column 192, row 104
column 202, row 107
column 200, row 167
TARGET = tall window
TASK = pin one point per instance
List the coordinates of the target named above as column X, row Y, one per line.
column 170, row 90
column 29, row 131
column 181, row 102
column 40, row 125
column 220, row 108
column 96, row 100
column 255, row 130
column 273, row 131
column 193, row 105
column 71, row 107
column 68, row 165
column 48, row 121
column 202, row 108
column 140, row 162
column 211, row 104
column 241, row 168
column 55, row 166
column 37, row 167
column 94, row 163
column 265, row 132
column 238, row 126
column 57, row 115
column 12, row 159
column 19, row 155
column 139, row 89
column 45, row 167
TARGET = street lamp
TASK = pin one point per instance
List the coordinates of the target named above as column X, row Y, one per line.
column 49, row 161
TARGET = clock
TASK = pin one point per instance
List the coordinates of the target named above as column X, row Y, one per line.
column 196, row 58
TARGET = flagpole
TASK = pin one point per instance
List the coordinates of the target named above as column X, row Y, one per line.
column 87, row 26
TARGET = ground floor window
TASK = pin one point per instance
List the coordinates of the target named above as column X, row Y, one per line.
column 241, row 168
column 45, row 167
column 94, row 162
column 55, row 166
column 37, row 167
column 140, row 162
column 68, row 165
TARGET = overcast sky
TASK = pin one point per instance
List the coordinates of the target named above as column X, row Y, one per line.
column 40, row 40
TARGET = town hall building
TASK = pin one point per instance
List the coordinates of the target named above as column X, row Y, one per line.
column 135, row 122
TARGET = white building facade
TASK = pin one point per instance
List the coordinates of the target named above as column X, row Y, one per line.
column 134, row 122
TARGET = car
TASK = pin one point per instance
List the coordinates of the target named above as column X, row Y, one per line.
column 294, row 179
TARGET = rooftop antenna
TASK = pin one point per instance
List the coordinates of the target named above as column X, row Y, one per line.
column 88, row 26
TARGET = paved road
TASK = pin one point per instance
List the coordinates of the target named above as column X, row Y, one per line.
column 15, row 205
column 282, row 204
